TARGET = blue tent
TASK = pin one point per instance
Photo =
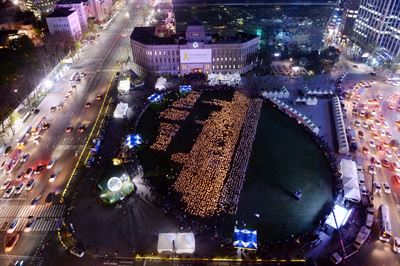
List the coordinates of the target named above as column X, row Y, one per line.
column 244, row 238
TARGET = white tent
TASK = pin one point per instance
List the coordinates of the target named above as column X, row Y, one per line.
column 180, row 243
column 161, row 84
column 121, row 110
column 349, row 175
column 124, row 86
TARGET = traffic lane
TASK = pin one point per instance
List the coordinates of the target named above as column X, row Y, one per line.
column 385, row 175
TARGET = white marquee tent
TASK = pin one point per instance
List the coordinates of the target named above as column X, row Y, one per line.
column 124, row 86
column 121, row 110
column 180, row 243
column 161, row 84
column 351, row 187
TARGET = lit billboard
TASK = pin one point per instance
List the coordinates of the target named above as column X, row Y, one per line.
column 195, row 56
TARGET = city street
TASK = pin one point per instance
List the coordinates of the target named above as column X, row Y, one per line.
column 376, row 100
column 99, row 61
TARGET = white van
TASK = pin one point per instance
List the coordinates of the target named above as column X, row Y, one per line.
column 336, row 258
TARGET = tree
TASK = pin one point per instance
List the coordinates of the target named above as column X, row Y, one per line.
column 12, row 119
column 4, row 113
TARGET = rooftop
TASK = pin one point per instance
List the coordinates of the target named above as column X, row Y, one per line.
column 146, row 35
column 61, row 12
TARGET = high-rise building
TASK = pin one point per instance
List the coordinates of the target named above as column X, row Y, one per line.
column 377, row 28
column 350, row 11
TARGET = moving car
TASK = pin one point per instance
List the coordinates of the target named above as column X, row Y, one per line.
column 7, row 150
column 9, row 192
column 69, row 129
column 19, row 188
column 29, row 224
column 29, row 184
column 53, row 108
column 53, row 176
column 99, row 97
column 11, row 243
column 88, row 104
column 35, row 200
column 82, row 128
column 6, row 184
column 50, row 164
column 13, row 224
column 377, row 187
column 336, row 258
column 25, row 157
column 371, row 169
column 50, row 197
column 77, row 252
column 39, row 169
column 46, row 125
column 364, row 190
column 37, row 140
column 386, row 187
column 396, row 244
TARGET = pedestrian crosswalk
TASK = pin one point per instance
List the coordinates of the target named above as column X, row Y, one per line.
column 39, row 225
column 20, row 211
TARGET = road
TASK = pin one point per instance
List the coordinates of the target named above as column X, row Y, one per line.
column 375, row 252
column 99, row 60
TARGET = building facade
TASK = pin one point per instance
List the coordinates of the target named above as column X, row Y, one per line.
column 77, row 5
column 100, row 10
column 377, row 27
column 350, row 11
column 192, row 52
column 64, row 20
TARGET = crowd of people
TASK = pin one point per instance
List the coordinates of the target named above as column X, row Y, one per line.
column 237, row 174
column 166, row 132
column 204, row 173
column 188, row 101
column 174, row 114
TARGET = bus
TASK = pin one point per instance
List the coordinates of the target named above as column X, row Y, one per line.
column 385, row 228
column 39, row 126
column 24, row 138
column 13, row 160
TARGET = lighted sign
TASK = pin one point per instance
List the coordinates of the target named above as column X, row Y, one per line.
column 114, row 184
column 195, row 45
column 195, row 56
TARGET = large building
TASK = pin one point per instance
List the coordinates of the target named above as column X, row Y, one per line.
column 350, row 11
column 195, row 51
column 64, row 20
column 80, row 8
column 377, row 28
